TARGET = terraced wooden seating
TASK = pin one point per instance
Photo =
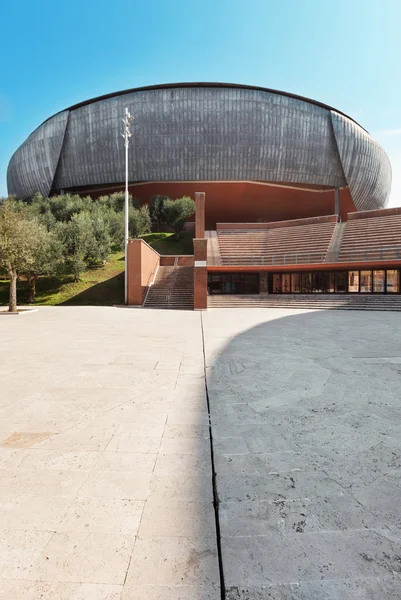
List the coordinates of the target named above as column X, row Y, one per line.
column 279, row 245
column 372, row 238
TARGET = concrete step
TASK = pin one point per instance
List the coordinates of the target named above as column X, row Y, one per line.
column 308, row 302
column 173, row 289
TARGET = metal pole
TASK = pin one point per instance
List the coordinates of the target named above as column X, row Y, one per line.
column 126, row 219
column 337, row 203
column 126, row 135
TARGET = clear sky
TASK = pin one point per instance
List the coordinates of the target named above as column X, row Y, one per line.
column 346, row 53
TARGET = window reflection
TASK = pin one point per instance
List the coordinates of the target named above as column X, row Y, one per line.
column 233, row 283
column 307, row 282
column 353, row 281
column 392, row 282
column 321, row 282
column 286, row 283
column 379, row 277
column 341, row 281
column 366, row 281
column 378, row 281
column 276, row 283
column 296, row 283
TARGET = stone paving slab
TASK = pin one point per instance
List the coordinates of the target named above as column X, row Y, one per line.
column 33, row 590
column 372, row 588
column 105, row 466
column 306, row 422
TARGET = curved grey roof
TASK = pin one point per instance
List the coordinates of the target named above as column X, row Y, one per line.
column 213, row 132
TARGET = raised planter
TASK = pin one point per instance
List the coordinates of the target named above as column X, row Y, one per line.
column 20, row 311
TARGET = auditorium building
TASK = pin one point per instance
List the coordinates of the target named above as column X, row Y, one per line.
column 290, row 193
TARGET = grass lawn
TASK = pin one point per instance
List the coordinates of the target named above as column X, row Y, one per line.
column 165, row 243
column 103, row 286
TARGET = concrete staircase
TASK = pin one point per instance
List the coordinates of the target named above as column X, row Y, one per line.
column 213, row 248
column 333, row 251
column 311, row 301
column 172, row 289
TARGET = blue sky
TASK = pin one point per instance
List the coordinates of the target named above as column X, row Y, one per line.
column 346, row 53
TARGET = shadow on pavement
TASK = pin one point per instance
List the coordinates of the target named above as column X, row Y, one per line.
column 306, row 413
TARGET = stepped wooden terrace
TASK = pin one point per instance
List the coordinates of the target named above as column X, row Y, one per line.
column 363, row 238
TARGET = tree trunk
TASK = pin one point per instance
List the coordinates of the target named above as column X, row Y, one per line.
column 32, row 279
column 12, row 306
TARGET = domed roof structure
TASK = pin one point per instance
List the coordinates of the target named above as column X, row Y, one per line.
column 202, row 132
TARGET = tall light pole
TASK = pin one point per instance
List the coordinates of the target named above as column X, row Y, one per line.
column 128, row 119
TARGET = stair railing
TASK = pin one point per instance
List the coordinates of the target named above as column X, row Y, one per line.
column 151, row 280
column 172, row 282
column 294, row 258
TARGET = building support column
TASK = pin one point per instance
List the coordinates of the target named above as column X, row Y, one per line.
column 200, row 274
column 199, row 215
column 337, row 203
column 263, row 284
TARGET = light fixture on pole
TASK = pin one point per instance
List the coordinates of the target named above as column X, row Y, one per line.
column 126, row 135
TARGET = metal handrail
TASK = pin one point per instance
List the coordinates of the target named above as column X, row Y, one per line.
column 151, row 280
column 171, row 286
column 294, row 258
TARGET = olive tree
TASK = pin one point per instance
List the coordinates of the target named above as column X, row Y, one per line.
column 139, row 221
column 156, row 210
column 46, row 259
column 77, row 238
column 176, row 212
column 18, row 236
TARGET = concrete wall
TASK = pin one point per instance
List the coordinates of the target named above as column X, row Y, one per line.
column 143, row 262
column 200, row 274
column 184, row 260
column 247, row 202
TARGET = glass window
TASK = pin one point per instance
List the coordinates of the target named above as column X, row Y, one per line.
column 296, row 283
column 393, row 285
column 277, row 283
column 233, row 283
column 379, row 278
column 331, row 282
column 321, row 281
column 316, row 282
column 366, row 281
column 353, row 281
column 214, row 284
column 286, row 283
column 226, row 284
column 307, row 282
column 341, row 278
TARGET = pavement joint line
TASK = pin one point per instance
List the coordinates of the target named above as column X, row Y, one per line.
column 214, row 482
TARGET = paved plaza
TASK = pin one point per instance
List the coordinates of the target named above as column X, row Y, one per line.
column 106, row 481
